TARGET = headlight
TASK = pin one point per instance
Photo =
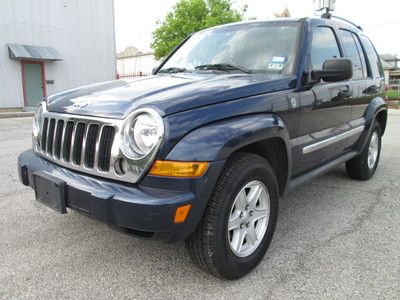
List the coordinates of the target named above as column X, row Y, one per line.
column 142, row 132
column 37, row 120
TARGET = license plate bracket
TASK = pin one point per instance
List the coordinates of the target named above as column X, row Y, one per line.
column 50, row 191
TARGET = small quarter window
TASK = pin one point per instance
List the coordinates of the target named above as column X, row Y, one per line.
column 375, row 67
column 352, row 53
column 324, row 46
column 362, row 56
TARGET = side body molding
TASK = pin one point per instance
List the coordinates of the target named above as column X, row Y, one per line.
column 216, row 141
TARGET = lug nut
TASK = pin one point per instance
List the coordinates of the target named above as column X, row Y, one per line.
column 247, row 207
column 241, row 226
column 241, row 215
column 248, row 224
column 251, row 213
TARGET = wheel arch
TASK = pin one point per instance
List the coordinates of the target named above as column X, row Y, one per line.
column 274, row 151
column 262, row 134
column 376, row 111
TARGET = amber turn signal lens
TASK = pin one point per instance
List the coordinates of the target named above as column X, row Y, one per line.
column 181, row 213
column 170, row 168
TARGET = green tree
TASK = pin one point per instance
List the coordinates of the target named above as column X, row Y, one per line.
column 188, row 16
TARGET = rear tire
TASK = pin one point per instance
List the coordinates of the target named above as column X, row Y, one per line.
column 363, row 166
column 246, row 191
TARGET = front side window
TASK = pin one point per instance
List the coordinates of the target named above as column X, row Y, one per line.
column 324, row 46
column 255, row 47
column 352, row 53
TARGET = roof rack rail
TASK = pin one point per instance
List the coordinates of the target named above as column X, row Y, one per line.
column 328, row 16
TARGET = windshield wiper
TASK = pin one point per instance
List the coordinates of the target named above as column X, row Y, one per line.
column 222, row 67
column 173, row 70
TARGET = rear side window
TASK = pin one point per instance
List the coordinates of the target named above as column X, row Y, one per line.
column 352, row 52
column 324, row 46
column 375, row 67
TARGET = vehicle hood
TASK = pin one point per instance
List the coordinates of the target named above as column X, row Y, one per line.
column 167, row 93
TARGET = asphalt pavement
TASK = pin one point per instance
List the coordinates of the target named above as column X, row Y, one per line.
column 336, row 238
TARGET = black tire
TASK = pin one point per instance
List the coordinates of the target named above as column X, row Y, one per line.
column 357, row 167
column 209, row 245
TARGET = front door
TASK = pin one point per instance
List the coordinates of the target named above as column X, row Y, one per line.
column 325, row 110
column 33, row 83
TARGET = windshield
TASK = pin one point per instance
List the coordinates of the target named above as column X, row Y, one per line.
column 267, row 47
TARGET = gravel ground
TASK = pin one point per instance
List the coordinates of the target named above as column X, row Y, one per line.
column 336, row 238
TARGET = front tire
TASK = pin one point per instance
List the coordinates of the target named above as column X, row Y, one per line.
column 240, row 218
column 363, row 166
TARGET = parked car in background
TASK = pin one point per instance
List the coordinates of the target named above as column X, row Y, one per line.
column 202, row 150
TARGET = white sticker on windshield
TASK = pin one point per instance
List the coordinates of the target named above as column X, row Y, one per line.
column 275, row 66
column 278, row 59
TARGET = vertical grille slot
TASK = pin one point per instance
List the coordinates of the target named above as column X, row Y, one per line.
column 58, row 138
column 44, row 134
column 106, row 141
column 68, row 140
column 50, row 137
column 90, row 149
column 77, row 150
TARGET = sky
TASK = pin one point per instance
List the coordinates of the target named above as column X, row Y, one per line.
column 135, row 20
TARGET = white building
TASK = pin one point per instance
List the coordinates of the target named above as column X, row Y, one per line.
column 47, row 46
column 136, row 65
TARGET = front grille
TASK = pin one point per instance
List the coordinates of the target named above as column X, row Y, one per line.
column 78, row 142
column 91, row 145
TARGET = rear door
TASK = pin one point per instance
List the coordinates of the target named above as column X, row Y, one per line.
column 325, row 108
column 363, row 85
column 373, row 83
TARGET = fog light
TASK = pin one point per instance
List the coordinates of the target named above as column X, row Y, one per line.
column 121, row 166
column 181, row 213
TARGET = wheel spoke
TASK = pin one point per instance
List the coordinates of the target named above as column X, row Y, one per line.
column 238, row 239
column 259, row 212
column 251, row 235
column 241, row 200
column 254, row 195
column 234, row 221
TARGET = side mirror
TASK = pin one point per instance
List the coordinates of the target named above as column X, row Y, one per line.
column 333, row 70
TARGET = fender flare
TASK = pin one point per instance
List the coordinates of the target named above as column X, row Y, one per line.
column 376, row 105
column 217, row 141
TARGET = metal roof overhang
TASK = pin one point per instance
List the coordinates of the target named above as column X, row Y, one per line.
column 29, row 52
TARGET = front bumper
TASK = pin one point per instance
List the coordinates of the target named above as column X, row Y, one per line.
column 146, row 210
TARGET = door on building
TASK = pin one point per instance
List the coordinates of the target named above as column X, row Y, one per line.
column 33, row 80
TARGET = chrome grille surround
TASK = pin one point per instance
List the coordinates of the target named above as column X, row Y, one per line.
column 137, row 166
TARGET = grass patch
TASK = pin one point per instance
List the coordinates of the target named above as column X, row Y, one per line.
column 393, row 94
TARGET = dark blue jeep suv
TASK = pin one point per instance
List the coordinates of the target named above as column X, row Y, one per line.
column 202, row 150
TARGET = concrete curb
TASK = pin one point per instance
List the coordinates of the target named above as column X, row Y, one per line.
column 394, row 111
column 16, row 114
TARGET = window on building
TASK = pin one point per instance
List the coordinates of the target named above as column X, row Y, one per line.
column 351, row 52
column 324, row 46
